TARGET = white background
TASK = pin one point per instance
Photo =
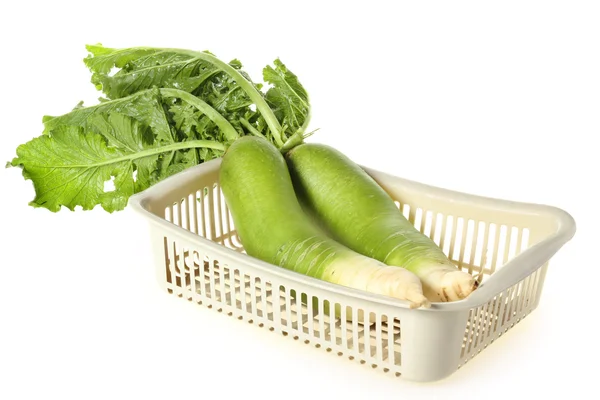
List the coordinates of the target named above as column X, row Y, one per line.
column 494, row 98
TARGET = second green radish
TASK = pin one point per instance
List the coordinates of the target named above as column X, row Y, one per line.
column 358, row 213
column 273, row 227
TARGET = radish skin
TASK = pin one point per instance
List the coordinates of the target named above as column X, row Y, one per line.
column 273, row 227
column 354, row 210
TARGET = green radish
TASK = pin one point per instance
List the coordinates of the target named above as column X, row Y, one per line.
column 273, row 227
column 355, row 211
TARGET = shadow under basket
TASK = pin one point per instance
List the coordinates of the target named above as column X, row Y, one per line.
column 506, row 245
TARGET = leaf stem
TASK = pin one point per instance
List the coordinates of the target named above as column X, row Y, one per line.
column 191, row 144
column 251, row 128
column 296, row 139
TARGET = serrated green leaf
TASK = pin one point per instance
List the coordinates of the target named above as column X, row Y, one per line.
column 145, row 107
column 102, row 60
column 70, row 165
column 181, row 161
column 63, row 177
column 186, row 118
column 142, row 68
column 287, row 97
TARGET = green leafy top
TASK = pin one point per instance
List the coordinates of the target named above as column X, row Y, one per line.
column 165, row 110
column 287, row 97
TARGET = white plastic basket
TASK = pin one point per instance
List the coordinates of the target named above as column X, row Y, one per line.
column 507, row 245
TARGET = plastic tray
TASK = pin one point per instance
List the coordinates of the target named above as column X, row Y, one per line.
column 506, row 244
